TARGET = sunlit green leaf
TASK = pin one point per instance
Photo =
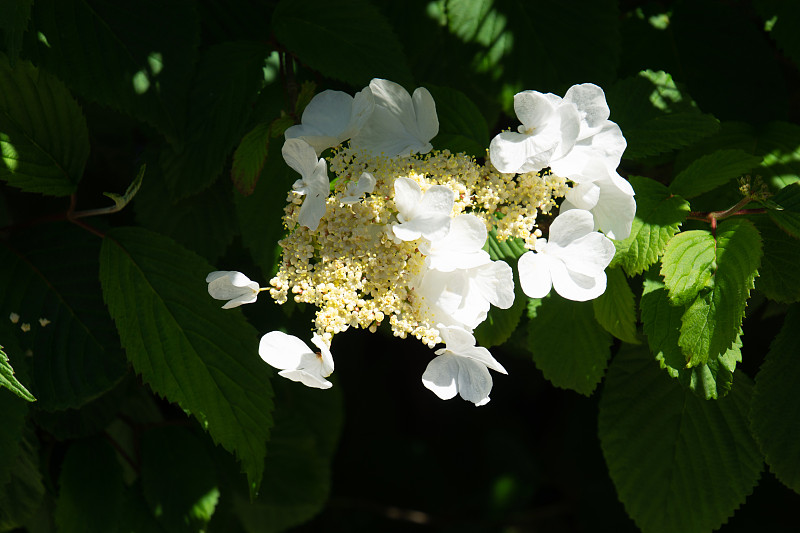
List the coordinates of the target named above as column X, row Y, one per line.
column 44, row 142
column 568, row 345
column 711, row 171
column 8, row 380
column 776, row 404
column 788, row 218
column 659, row 214
column 679, row 463
column 615, row 309
column 688, row 265
column 187, row 348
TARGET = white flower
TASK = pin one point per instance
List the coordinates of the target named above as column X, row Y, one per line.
column 462, row 247
column 609, row 199
column 314, row 183
column 573, row 261
column 295, row 360
column 232, row 286
column 355, row 190
column 549, row 129
column 332, row 117
column 603, row 147
column 461, row 368
column 462, row 297
column 421, row 215
column 400, row 124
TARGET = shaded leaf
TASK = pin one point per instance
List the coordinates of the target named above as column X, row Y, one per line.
column 22, row 495
column 13, row 411
column 712, row 322
column 12, row 24
column 351, row 42
column 679, row 463
column 776, row 405
column 501, row 323
column 187, row 348
column 249, row 158
column 659, row 214
column 90, row 489
column 568, row 345
column 462, row 127
column 711, row 171
column 44, row 141
column 785, row 17
column 778, row 275
column 615, row 309
column 788, row 218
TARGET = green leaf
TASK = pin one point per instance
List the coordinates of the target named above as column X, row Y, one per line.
column 508, row 250
column 779, row 143
column 655, row 116
column 204, row 223
column 679, row 463
column 659, row 214
column 178, row 483
column 12, row 419
column 778, row 276
column 8, row 380
column 352, row 42
column 184, row 346
column 776, row 404
column 228, row 80
column 297, row 472
column 688, row 265
column 501, row 323
column 661, row 323
column 121, row 200
column 44, row 141
column 74, row 350
column 249, row 158
column 22, row 495
column 711, row 171
column 12, row 24
column 135, row 56
column 568, row 345
column 615, row 309
column 90, row 489
column 785, row 17
column 462, row 127
column 712, row 322
column 787, row 218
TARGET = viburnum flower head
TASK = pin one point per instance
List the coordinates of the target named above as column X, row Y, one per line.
column 232, row 286
column 461, row 368
column 421, row 214
column 314, row 183
column 295, row 360
column 332, row 117
column 572, row 262
column 401, row 124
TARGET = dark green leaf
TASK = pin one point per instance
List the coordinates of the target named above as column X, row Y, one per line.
column 74, row 350
column 779, row 143
column 659, row 214
column 90, row 489
column 462, row 127
column 351, row 41
column 785, row 17
column 8, row 380
column 12, row 24
column 662, row 323
column 12, row 419
column 776, row 404
column 615, row 309
column 44, row 142
column 187, row 348
column 22, row 495
column 568, row 345
column 778, row 276
column 135, row 56
column 711, row 171
column 679, row 463
column 249, row 158
column 228, row 79
column 501, row 323
column 178, row 479
column 712, row 322
column 788, row 218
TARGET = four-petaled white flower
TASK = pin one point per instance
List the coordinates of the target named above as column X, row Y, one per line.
column 232, row 286
column 461, row 368
column 421, row 215
column 295, row 360
column 314, row 183
column 400, row 124
column 572, row 262
column 355, row 190
column 462, row 247
column 332, row 117
column 609, row 199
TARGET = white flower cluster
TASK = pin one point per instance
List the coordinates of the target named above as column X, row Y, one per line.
column 399, row 234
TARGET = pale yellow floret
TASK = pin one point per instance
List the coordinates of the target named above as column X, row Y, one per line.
column 353, row 270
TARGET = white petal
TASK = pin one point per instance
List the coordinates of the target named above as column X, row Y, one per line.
column 582, row 196
column 569, row 126
column 407, row 194
column 461, row 247
column 326, row 358
column 508, row 152
column 590, row 101
column 533, row 108
column 427, row 126
column 431, row 226
column 440, row 376
column 300, row 155
column 437, row 200
column 307, row 379
column 588, row 255
column 574, row 286
column 282, row 351
column 474, row 381
column 570, row 226
column 534, row 274
column 354, row 191
column 494, row 282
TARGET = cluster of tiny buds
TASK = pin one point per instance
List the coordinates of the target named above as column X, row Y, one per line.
column 26, row 326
